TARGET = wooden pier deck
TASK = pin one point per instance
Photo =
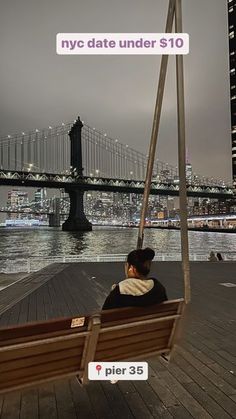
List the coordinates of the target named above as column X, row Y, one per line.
column 200, row 382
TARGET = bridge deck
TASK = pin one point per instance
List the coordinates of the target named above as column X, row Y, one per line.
column 200, row 382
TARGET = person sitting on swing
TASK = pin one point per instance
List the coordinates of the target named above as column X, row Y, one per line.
column 138, row 289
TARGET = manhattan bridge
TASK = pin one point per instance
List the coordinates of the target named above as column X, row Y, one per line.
column 79, row 158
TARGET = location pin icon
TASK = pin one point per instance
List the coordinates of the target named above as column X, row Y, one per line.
column 98, row 368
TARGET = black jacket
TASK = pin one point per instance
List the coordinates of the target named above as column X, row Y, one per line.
column 134, row 292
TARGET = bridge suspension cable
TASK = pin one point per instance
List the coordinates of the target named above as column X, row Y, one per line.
column 48, row 151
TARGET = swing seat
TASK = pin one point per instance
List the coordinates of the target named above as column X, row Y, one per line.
column 35, row 353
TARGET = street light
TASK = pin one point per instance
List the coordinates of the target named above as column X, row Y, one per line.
column 30, row 166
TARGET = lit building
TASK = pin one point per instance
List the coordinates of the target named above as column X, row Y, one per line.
column 17, row 198
column 165, row 175
column 40, row 197
column 232, row 63
column 189, row 172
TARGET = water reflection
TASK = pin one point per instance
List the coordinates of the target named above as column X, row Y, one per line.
column 44, row 242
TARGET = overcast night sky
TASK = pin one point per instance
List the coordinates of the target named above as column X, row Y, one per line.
column 116, row 94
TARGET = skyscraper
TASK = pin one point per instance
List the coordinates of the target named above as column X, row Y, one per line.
column 232, row 53
column 16, row 199
column 40, row 197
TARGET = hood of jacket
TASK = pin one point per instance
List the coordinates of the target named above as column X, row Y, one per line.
column 135, row 286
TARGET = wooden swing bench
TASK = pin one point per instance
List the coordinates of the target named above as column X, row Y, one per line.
column 35, row 353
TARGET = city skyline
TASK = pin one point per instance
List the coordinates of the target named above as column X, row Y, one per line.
column 117, row 94
column 96, row 202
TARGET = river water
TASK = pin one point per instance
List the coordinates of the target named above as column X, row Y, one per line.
column 45, row 242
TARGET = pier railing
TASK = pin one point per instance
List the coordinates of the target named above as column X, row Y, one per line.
column 34, row 264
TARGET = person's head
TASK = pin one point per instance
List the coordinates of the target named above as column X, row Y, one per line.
column 212, row 253
column 219, row 257
column 139, row 263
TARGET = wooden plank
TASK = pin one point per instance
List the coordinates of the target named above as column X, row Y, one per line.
column 98, row 401
column 213, row 408
column 197, row 392
column 138, row 322
column 31, row 373
column 47, row 302
column 25, row 287
column 226, row 355
column 29, row 404
column 1, row 404
column 11, row 406
column 4, row 318
column 90, row 345
column 126, row 387
column 65, row 404
column 60, row 300
column 71, row 289
column 163, row 392
column 40, row 359
column 159, row 365
column 206, row 385
column 151, row 400
column 40, row 379
column 227, row 376
column 47, row 402
column 135, row 317
column 40, row 306
column 137, row 338
column 33, row 338
column 81, row 401
column 40, row 347
column 41, row 328
column 14, row 314
column 194, row 408
column 142, row 355
column 215, row 366
column 138, row 407
column 132, row 348
column 24, row 308
column 205, row 370
column 56, row 309
column 199, row 344
column 176, row 329
column 138, row 330
column 117, row 401
column 126, row 313
column 179, row 412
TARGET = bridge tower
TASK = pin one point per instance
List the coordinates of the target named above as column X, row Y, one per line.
column 77, row 220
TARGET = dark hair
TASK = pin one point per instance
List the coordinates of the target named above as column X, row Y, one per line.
column 139, row 258
column 219, row 257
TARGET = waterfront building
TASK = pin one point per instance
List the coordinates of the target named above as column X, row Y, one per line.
column 16, row 200
column 40, row 198
column 189, row 172
column 232, row 69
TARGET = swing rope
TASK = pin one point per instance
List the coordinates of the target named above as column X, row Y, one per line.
column 174, row 10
